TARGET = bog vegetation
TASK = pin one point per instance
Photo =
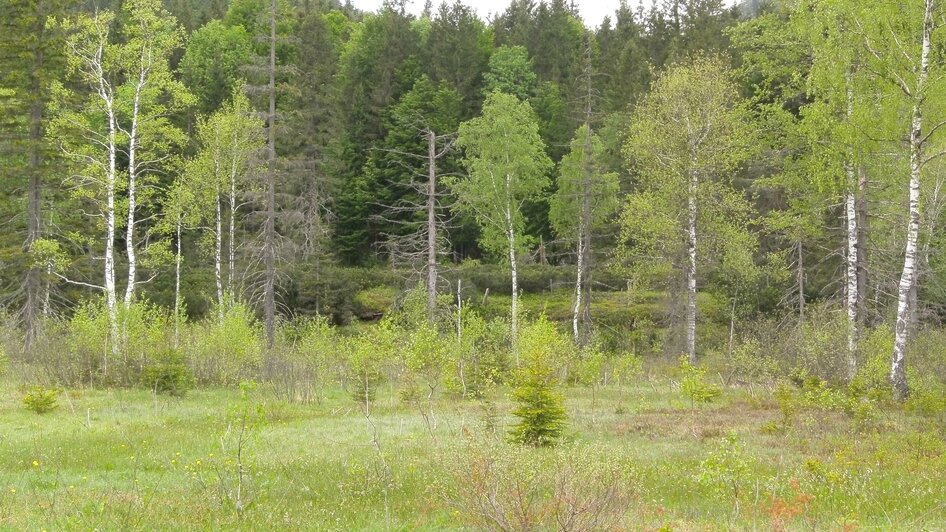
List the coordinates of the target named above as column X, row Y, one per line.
column 280, row 263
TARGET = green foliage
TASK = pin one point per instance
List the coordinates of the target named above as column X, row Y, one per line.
column 751, row 363
column 627, row 368
column 367, row 355
column 212, row 63
column 540, row 407
column 510, row 72
column 41, row 400
column 580, row 177
column 690, row 136
column 374, row 302
column 727, row 469
column 480, row 357
column 225, row 350
column 168, row 373
column 693, row 383
column 425, row 356
column 507, row 166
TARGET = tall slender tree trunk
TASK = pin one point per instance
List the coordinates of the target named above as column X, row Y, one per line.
column 581, row 318
column 514, row 319
column 111, row 301
column 691, row 270
column 862, row 206
column 130, row 249
column 231, row 238
column 580, row 270
column 800, row 279
column 218, row 255
column 36, row 287
column 851, row 301
column 269, row 229
column 179, row 256
column 431, row 226
column 898, row 375
column 33, row 310
column 851, row 288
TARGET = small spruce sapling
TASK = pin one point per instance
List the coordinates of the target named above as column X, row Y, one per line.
column 540, row 408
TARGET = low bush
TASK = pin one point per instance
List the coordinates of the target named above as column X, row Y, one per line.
column 40, row 399
column 167, row 373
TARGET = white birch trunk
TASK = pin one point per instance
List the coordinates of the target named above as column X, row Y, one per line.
column 177, row 284
column 218, row 256
column 908, row 277
column 231, row 254
column 111, row 301
column 851, row 301
column 691, row 270
column 514, row 319
column 133, row 177
column 578, row 281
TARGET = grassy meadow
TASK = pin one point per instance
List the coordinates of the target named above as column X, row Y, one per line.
column 636, row 457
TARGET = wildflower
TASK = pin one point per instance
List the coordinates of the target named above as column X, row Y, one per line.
column 35, row 463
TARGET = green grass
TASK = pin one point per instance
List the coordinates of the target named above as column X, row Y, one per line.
column 125, row 459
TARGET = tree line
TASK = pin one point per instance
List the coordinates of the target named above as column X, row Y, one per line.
column 775, row 154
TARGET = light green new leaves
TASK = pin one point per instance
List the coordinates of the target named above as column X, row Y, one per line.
column 691, row 123
column 507, row 166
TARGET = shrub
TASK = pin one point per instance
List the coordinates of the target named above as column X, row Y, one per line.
column 168, row 374
column 366, row 355
column 540, row 408
column 693, row 383
column 626, row 368
column 501, row 487
column 41, row 400
column 301, row 367
column 425, row 356
column 726, row 469
column 748, row 363
column 226, row 347
column 480, row 355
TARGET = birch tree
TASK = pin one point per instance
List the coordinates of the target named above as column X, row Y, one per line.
column 688, row 137
column 118, row 135
column 147, row 97
column 902, row 47
column 231, row 141
column 507, row 166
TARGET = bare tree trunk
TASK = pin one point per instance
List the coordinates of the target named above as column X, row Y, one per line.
column 898, row 376
column 269, row 229
column 431, row 226
column 691, row 271
column 33, row 310
column 800, row 280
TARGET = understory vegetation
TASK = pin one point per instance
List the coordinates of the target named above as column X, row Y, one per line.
column 406, row 423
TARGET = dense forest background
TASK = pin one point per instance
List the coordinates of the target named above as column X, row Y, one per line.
column 330, row 118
